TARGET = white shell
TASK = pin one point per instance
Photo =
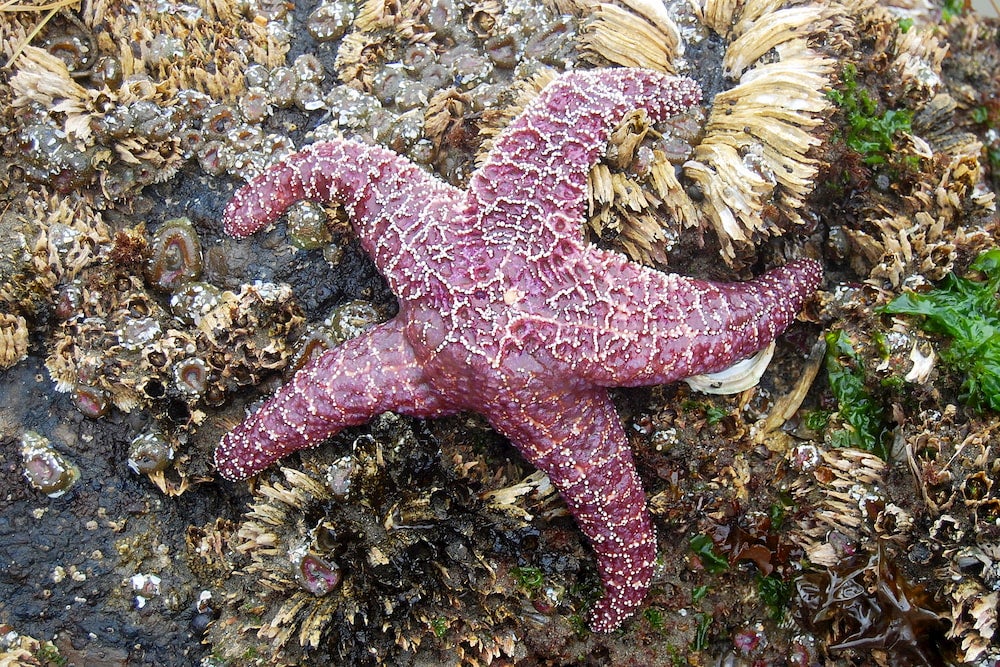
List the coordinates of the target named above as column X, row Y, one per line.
column 740, row 376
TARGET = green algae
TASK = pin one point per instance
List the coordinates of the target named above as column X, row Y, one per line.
column 966, row 312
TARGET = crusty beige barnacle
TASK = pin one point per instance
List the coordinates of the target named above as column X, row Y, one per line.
column 641, row 34
column 759, row 134
column 754, row 153
column 13, row 339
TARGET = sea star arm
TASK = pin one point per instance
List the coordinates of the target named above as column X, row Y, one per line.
column 345, row 386
column 395, row 207
column 571, row 435
column 644, row 327
column 529, row 194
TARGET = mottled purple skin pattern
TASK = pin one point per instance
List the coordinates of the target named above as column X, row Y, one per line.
column 506, row 311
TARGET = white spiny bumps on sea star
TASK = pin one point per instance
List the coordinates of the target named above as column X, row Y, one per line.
column 504, row 310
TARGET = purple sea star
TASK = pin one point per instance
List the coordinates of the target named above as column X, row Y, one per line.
column 506, row 311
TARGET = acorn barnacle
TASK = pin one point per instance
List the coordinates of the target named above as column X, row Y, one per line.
column 316, row 574
column 150, row 452
column 45, row 468
column 191, row 376
column 175, row 255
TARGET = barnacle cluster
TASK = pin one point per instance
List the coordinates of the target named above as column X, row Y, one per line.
column 13, row 339
column 45, row 239
column 124, row 346
column 854, row 593
column 843, row 489
column 112, row 115
column 952, row 459
column 927, row 201
column 901, row 563
column 384, row 537
column 974, row 62
column 417, row 75
column 120, row 347
column 747, row 168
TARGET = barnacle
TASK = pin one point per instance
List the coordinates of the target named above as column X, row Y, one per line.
column 643, row 35
column 100, row 345
column 381, row 30
column 843, row 488
column 120, row 127
column 123, row 342
column 13, row 339
column 974, row 608
column 45, row 467
column 206, row 46
column 755, row 152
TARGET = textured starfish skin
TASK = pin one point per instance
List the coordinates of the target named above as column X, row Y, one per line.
column 505, row 311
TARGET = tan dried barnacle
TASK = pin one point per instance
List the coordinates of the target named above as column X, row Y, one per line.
column 973, row 615
column 893, row 521
column 894, row 248
column 13, row 339
column 947, row 529
column 536, row 487
column 43, row 79
column 756, row 149
column 445, row 113
column 918, row 63
column 634, row 198
column 482, row 21
column 844, row 491
column 753, row 167
column 23, row 22
column 988, row 513
column 206, row 49
column 976, row 488
column 60, row 361
column 641, row 36
column 923, row 235
column 48, row 239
